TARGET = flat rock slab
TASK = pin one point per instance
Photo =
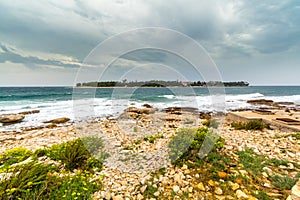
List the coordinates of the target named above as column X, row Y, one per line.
column 11, row 118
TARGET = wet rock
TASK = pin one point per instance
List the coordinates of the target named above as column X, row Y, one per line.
column 147, row 105
column 58, row 120
column 141, row 110
column 29, row 112
column 51, row 126
column 11, row 118
column 262, row 102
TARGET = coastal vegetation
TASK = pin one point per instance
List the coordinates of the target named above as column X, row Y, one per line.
column 219, row 172
column 63, row 171
column 250, row 125
column 160, row 83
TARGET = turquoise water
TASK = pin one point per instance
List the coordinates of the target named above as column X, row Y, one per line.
column 56, row 102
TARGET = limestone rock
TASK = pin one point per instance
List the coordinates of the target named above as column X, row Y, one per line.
column 201, row 186
column 58, row 120
column 241, row 195
column 218, row 191
column 118, row 197
column 176, row 188
column 295, row 192
column 29, row 112
column 11, row 118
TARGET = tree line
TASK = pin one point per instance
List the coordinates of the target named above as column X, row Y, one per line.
column 160, row 83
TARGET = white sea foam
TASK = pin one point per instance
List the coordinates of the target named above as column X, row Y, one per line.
column 102, row 107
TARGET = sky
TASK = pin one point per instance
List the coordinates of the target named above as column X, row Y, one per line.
column 51, row 42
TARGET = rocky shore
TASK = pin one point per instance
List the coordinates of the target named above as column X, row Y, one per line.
column 139, row 166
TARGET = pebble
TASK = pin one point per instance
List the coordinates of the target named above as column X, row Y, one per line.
column 201, row 186
column 176, row 188
column 218, row 191
column 241, row 195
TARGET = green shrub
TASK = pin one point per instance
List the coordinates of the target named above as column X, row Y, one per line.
column 211, row 123
column 69, row 187
column 261, row 195
column 14, row 156
column 276, row 162
column 252, row 161
column 152, row 138
column 37, row 181
column 250, row 125
column 186, row 144
column 75, row 155
column 93, row 144
column 150, row 190
column 27, row 180
column 283, row 182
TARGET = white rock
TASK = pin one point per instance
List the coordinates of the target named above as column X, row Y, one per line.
column 176, row 188
column 218, row 191
column 241, row 195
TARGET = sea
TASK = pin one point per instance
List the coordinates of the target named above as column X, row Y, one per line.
column 89, row 103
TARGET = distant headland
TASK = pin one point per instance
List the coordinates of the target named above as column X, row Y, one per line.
column 160, row 83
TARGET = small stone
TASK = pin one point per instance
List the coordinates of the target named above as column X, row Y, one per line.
column 190, row 189
column 241, row 195
column 118, row 144
column 211, row 183
column 234, row 186
column 118, row 197
column 265, row 174
column 267, row 185
column 218, row 191
column 143, row 189
column 107, row 195
column 184, row 167
column 176, row 188
column 139, row 197
column 177, row 178
column 156, row 193
column 251, row 198
column 222, row 175
column 201, row 186
column 290, row 166
column 239, row 181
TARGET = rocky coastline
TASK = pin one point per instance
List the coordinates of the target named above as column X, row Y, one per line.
column 139, row 166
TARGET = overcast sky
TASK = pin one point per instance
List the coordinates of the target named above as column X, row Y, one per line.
column 46, row 42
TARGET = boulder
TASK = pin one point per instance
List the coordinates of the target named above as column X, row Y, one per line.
column 11, row 118
column 141, row 110
column 58, row 120
column 29, row 112
column 147, row 105
column 262, row 102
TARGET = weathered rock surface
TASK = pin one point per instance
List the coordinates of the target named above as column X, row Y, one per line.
column 295, row 192
column 58, row 120
column 29, row 112
column 11, row 118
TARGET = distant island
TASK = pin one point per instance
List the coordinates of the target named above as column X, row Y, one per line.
column 160, row 83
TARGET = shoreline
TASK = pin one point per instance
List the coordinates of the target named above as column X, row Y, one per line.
column 137, row 143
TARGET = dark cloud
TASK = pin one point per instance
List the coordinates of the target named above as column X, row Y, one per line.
column 232, row 32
